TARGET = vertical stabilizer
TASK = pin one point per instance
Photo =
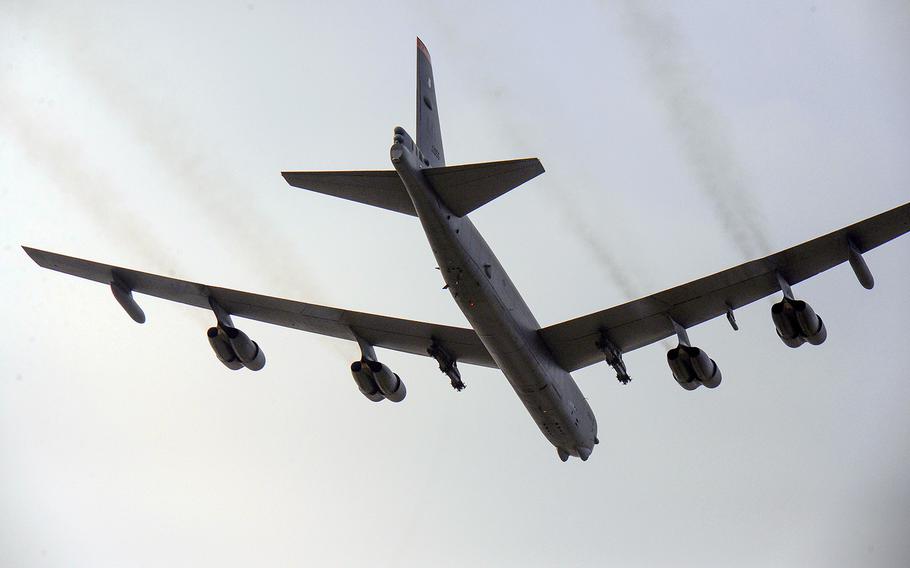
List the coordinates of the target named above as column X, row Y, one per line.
column 429, row 137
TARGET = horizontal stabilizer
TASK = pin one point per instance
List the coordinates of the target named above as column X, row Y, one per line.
column 465, row 188
column 377, row 188
column 462, row 188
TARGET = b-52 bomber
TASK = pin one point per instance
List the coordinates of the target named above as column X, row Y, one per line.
column 537, row 361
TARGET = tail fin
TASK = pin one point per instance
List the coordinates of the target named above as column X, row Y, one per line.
column 461, row 188
column 429, row 137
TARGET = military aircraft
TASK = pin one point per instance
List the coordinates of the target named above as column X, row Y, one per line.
column 537, row 361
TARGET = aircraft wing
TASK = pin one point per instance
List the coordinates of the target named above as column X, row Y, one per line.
column 647, row 320
column 381, row 331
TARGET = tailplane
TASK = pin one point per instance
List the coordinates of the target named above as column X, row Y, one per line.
column 465, row 188
column 461, row 188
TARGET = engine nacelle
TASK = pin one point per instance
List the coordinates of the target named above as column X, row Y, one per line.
column 810, row 323
column 388, row 382
column 364, row 379
column 247, row 350
column 222, row 348
column 796, row 323
column 692, row 367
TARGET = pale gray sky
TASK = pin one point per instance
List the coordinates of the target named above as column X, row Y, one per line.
column 677, row 142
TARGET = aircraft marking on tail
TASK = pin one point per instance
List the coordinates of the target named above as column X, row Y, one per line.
column 429, row 135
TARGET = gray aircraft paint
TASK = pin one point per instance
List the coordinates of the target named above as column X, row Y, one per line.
column 492, row 304
column 484, row 292
column 537, row 361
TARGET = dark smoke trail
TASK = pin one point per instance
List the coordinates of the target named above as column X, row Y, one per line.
column 60, row 159
column 154, row 126
column 613, row 268
column 569, row 208
column 575, row 220
column 699, row 130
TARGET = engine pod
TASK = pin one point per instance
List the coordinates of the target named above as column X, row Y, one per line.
column 705, row 368
column 796, row 323
column 365, row 383
column 792, row 342
column 222, row 348
column 247, row 350
column 812, row 326
column 389, row 383
column 678, row 360
column 785, row 323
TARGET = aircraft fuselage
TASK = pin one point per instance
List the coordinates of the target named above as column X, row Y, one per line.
column 497, row 312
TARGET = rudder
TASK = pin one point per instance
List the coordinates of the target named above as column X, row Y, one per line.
column 429, row 136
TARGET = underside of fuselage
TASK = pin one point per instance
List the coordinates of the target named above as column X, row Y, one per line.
column 491, row 303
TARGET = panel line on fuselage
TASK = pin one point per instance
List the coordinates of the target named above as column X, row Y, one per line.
column 498, row 314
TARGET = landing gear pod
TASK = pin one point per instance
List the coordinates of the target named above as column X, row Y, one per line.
column 222, row 348
column 859, row 266
column 247, row 350
column 124, row 297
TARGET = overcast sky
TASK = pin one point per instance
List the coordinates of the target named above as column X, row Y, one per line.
column 677, row 142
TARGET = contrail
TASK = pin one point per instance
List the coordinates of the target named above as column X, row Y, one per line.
column 570, row 209
column 256, row 242
column 614, row 269
column 698, row 129
column 59, row 158
column 567, row 205
column 231, row 208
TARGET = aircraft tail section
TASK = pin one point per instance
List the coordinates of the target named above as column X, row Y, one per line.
column 381, row 189
column 467, row 187
column 429, row 136
column 462, row 188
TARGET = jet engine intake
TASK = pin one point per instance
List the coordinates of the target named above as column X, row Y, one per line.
column 364, row 379
column 692, row 367
column 247, row 350
column 222, row 348
column 796, row 323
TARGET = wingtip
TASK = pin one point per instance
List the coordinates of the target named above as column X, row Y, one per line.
column 32, row 253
